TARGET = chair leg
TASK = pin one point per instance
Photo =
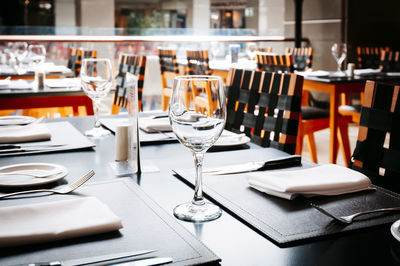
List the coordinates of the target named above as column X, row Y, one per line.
column 312, row 147
column 343, row 137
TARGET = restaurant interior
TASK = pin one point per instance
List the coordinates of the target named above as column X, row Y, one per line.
column 199, row 132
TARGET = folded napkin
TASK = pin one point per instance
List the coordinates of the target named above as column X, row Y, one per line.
column 310, row 73
column 49, row 221
column 62, row 83
column 5, row 82
column 20, row 84
column 15, row 134
column 392, row 74
column 366, row 71
column 154, row 125
column 329, row 179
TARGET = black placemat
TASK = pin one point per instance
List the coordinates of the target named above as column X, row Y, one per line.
column 61, row 133
column 145, row 226
column 286, row 222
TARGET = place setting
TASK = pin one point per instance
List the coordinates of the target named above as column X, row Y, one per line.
column 27, row 135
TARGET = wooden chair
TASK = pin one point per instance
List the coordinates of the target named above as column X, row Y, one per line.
column 169, row 70
column 369, row 57
column 377, row 152
column 134, row 64
column 389, row 61
column 265, row 106
column 272, row 62
column 75, row 58
column 198, row 64
column 302, row 57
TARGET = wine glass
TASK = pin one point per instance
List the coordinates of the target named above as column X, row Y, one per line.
column 20, row 51
column 37, row 54
column 197, row 126
column 339, row 52
column 96, row 78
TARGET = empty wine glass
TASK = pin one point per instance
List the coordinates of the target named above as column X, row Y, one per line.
column 96, row 78
column 20, row 51
column 37, row 54
column 339, row 52
column 197, row 125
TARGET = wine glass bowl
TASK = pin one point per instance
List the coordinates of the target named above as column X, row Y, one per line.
column 36, row 54
column 339, row 52
column 197, row 126
column 20, row 51
column 96, row 78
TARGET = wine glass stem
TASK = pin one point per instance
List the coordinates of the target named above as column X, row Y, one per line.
column 96, row 106
column 198, row 198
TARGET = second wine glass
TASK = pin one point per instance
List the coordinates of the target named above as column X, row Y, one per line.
column 96, row 78
column 197, row 125
column 339, row 52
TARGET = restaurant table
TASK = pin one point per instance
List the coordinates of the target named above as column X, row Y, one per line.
column 45, row 98
column 338, row 88
column 232, row 240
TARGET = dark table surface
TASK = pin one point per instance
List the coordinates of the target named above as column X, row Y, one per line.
column 234, row 242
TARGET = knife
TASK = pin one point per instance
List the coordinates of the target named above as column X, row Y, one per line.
column 276, row 163
column 147, row 262
column 91, row 260
column 5, row 148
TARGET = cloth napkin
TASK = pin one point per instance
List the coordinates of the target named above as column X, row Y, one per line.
column 62, row 83
column 366, row 71
column 329, row 179
column 49, row 221
column 154, row 125
column 5, row 82
column 16, row 134
column 316, row 73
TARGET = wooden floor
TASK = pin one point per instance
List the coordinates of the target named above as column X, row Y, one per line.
column 322, row 141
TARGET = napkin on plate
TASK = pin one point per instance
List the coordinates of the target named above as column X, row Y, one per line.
column 15, row 134
column 154, row 125
column 62, row 83
column 329, row 179
column 49, row 221
column 316, row 73
column 5, row 82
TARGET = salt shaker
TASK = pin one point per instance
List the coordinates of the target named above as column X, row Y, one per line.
column 350, row 69
column 122, row 143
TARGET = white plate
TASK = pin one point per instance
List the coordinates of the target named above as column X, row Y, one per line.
column 395, row 230
column 19, row 180
column 16, row 120
column 228, row 138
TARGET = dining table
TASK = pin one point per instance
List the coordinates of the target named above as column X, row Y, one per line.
column 231, row 238
column 28, row 72
column 19, row 94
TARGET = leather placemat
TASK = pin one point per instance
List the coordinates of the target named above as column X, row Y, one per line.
column 287, row 222
column 145, row 226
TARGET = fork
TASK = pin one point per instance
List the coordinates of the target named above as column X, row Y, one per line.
column 349, row 218
column 62, row 190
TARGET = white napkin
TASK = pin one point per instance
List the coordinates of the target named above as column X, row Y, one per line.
column 393, row 74
column 49, row 221
column 62, row 83
column 153, row 125
column 5, row 82
column 329, row 179
column 15, row 134
column 310, row 73
column 366, row 71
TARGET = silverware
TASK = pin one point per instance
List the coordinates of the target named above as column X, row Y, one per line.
column 152, row 129
column 5, row 148
column 281, row 162
column 62, row 190
column 96, row 259
column 148, row 262
column 349, row 218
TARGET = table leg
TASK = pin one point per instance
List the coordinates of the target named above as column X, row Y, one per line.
column 333, row 125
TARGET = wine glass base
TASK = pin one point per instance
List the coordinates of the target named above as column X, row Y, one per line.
column 197, row 213
column 97, row 132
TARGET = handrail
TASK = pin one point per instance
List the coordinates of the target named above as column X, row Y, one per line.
column 155, row 38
